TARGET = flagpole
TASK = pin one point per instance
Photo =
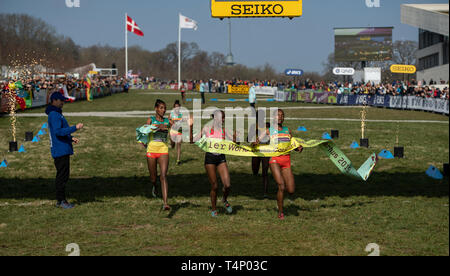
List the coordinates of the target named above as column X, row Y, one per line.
column 126, row 46
column 179, row 52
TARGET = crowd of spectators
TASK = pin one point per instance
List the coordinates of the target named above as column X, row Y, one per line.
column 396, row 88
column 38, row 83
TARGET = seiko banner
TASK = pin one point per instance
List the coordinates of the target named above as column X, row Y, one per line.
column 257, row 8
column 403, row 69
column 238, row 89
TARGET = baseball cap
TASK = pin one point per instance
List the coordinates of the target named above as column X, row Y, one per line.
column 57, row 96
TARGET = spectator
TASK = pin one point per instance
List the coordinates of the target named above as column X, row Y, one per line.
column 252, row 95
column 202, row 91
column 61, row 146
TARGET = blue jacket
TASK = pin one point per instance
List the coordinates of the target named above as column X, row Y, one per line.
column 60, row 132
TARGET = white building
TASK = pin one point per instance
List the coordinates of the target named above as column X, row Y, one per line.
column 432, row 56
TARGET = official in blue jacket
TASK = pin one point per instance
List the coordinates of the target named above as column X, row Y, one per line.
column 61, row 146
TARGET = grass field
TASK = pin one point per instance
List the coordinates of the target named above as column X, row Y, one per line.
column 399, row 207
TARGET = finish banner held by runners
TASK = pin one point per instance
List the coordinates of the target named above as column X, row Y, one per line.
column 328, row 147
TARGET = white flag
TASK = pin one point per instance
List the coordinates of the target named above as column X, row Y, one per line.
column 130, row 74
column 66, row 93
column 187, row 23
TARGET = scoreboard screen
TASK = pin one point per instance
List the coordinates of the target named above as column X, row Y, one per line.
column 363, row 44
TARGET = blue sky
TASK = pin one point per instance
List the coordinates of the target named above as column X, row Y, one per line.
column 302, row 43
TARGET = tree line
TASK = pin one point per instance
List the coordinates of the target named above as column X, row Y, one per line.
column 26, row 40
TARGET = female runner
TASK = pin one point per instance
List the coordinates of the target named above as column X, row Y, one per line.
column 183, row 92
column 281, row 165
column 217, row 162
column 176, row 139
column 158, row 152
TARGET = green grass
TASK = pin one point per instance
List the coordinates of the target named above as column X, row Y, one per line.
column 399, row 207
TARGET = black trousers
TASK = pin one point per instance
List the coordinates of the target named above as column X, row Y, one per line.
column 203, row 97
column 62, row 165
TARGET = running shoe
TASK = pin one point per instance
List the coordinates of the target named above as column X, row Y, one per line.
column 166, row 208
column 64, row 205
column 281, row 216
column 214, row 214
column 228, row 207
column 178, row 162
column 154, row 192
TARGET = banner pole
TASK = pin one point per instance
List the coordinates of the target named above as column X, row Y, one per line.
column 179, row 52
column 126, row 46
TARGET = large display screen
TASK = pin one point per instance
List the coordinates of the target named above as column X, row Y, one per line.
column 363, row 44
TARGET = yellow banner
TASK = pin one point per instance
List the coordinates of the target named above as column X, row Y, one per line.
column 267, row 8
column 229, row 148
column 238, row 89
column 328, row 147
column 403, row 69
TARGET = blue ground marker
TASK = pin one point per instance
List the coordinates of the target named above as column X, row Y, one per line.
column 22, row 149
column 326, row 136
column 302, row 128
column 354, row 145
column 385, row 154
column 433, row 172
column 41, row 132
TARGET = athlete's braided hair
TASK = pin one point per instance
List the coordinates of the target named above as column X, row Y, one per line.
column 159, row 102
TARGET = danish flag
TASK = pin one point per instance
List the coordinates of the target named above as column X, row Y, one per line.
column 133, row 27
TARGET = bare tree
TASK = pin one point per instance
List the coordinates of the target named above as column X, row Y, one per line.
column 405, row 52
